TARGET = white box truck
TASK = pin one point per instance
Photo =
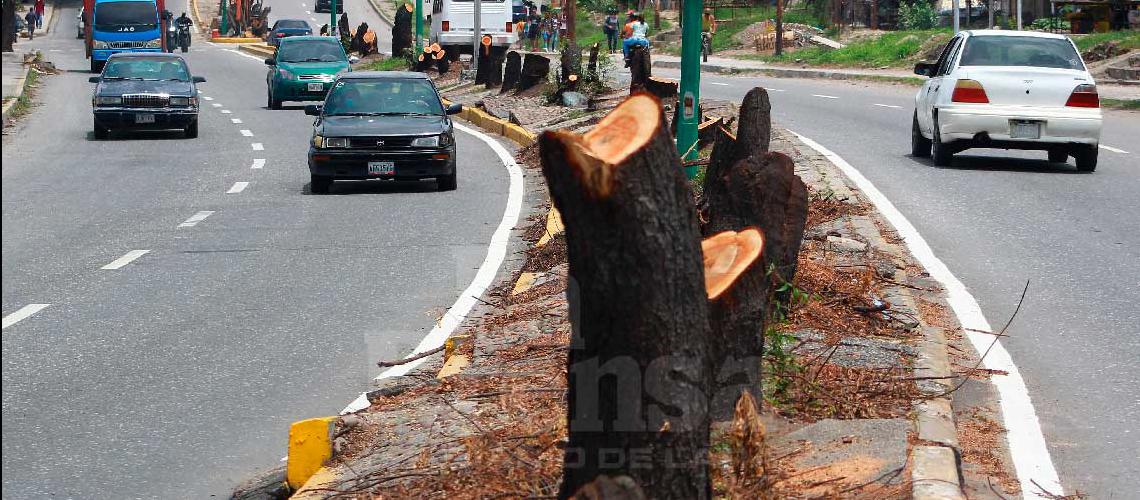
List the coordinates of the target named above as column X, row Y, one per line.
column 453, row 24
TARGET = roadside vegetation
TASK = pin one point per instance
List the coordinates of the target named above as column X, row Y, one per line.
column 895, row 49
column 588, row 23
column 388, row 64
column 1128, row 40
column 1132, row 104
column 24, row 102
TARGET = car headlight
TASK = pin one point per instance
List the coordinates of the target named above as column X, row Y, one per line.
column 153, row 44
column 179, row 101
column 99, row 44
column 336, row 142
column 284, row 73
column 426, row 142
column 108, row 101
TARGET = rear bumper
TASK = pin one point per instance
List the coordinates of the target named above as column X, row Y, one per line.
column 991, row 124
column 164, row 118
column 466, row 38
column 411, row 164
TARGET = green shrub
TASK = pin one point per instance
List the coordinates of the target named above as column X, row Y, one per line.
column 917, row 15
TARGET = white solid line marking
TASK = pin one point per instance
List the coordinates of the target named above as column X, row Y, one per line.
column 196, row 218
column 243, row 54
column 247, row 132
column 207, row 98
column 237, row 187
column 774, row 90
column 22, row 314
column 226, row 111
column 892, row 106
column 257, row 146
column 1023, row 431
column 718, row 83
column 484, row 277
column 235, row 120
column 258, row 163
column 216, row 105
column 1114, row 150
column 125, row 259
column 824, row 96
column 307, row 12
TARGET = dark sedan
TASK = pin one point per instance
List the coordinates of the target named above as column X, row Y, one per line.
column 286, row 28
column 145, row 91
column 382, row 125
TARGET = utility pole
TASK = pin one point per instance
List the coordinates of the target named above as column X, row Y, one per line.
column 779, row 27
column 990, row 11
column 332, row 15
column 1018, row 15
column 955, row 16
column 478, row 38
column 225, row 18
column 419, row 26
column 690, row 83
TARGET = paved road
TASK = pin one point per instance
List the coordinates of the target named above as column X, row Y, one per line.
column 358, row 11
column 999, row 219
column 176, row 375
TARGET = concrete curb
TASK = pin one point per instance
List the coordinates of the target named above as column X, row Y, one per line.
column 202, row 27
column 795, row 73
column 383, row 16
column 258, row 50
column 22, row 85
column 237, row 39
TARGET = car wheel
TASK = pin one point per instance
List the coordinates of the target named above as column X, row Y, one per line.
column 919, row 145
column 941, row 152
column 1058, row 155
column 1086, row 158
column 192, row 130
column 273, row 103
column 101, row 132
column 320, row 184
column 447, row 182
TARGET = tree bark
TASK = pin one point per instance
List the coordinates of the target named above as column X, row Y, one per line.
column 534, row 70
column 754, row 132
column 9, row 28
column 511, row 72
column 571, row 63
column 639, row 69
column 637, row 367
column 663, row 88
column 874, row 14
column 402, row 32
column 593, row 64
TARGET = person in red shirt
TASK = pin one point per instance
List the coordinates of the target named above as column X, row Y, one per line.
column 39, row 13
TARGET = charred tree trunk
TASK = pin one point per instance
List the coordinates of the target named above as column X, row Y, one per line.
column 754, row 132
column 491, row 67
column 534, row 70
column 639, row 69
column 512, row 70
column 571, row 63
column 638, row 305
column 9, row 28
column 592, row 66
column 402, row 32
column 874, row 14
column 663, row 88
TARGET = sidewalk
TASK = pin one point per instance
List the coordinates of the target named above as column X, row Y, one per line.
column 13, row 71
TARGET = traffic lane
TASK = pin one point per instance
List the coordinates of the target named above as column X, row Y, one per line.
column 358, row 11
column 999, row 219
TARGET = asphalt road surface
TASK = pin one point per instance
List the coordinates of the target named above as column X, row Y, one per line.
column 999, row 219
column 177, row 374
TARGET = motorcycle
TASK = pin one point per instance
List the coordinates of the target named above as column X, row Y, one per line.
column 183, row 34
column 171, row 37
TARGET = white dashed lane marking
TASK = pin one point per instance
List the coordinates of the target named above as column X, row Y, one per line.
column 216, row 105
column 1114, row 150
column 235, row 120
column 207, row 98
column 258, row 163
column 718, row 83
column 892, row 106
column 237, row 187
column 125, row 259
column 196, row 218
column 257, row 146
column 22, row 314
column 247, row 132
column 225, row 111
column 824, row 96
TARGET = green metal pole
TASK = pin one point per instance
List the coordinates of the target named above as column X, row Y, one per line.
column 419, row 26
column 690, row 82
column 225, row 19
column 332, row 17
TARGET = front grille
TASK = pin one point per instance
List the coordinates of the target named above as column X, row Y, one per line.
column 138, row 44
column 374, row 142
column 146, row 100
column 319, row 78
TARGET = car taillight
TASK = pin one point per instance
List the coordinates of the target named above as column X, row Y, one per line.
column 969, row 91
column 280, row 35
column 1084, row 96
column 447, row 26
column 510, row 27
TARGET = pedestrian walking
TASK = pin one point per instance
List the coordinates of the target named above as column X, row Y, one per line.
column 533, row 31
column 555, row 29
column 30, row 21
column 610, row 28
column 39, row 6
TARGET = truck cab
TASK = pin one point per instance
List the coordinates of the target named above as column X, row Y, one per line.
column 122, row 26
column 453, row 24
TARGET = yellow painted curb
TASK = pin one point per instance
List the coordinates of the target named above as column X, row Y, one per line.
column 553, row 227
column 236, row 39
column 202, row 27
column 310, row 446
column 525, row 281
column 453, row 365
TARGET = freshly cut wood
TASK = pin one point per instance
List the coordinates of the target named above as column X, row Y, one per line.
column 640, row 69
column 663, row 88
column 535, row 67
column 638, row 304
column 727, row 255
column 402, row 31
column 434, row 47
column 511, row 72
column 706, row 132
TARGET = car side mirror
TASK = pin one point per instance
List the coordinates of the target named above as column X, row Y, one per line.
column 353, row 59
column 94, row 79
column 313, row 110
column 924, row 69
column 198, row 79
column 269, row 61
column 454, row 109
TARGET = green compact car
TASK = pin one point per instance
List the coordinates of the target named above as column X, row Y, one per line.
column 304, row 68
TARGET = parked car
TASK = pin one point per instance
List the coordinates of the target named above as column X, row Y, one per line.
column 304, row 68
column 145, row 91
column 382, row 125
column 326, row 6
column 285, row 28
column 1007, row 90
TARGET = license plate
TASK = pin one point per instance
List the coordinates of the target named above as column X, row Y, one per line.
column 381, row 168
column 316, row 87
column 144, row 118
column 1024, row 130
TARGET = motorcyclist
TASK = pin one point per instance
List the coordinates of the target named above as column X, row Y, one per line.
column 637, row 30
column 708, row 28
column 184, row 23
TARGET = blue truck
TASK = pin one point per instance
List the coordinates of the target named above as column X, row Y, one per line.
column 123, row 26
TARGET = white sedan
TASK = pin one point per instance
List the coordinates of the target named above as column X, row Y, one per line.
column 1008, row 90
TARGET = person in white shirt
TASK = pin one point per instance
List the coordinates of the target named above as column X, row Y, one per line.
column 637, row 36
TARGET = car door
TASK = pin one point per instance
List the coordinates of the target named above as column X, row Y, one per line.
column 927, row 96
column 942, row 85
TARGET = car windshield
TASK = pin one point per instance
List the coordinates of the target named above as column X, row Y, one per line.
column 1020, row 51
column 311, row 51
column 383, row 97
column 292, row 24
column 128, row 16
column 146, row 68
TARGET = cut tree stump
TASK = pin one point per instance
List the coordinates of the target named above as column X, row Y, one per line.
column 663, row 88
column 640, row 69
column 638, row 305
column 512, row 70
column 402, row 31
column 535, row 67
column 592, row 66
column 442, row 62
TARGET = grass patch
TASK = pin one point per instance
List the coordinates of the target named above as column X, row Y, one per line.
column 389, row 64
column 1129, row 40
column 24, row 102
column 895, row 49
column 1133, row 104
column 733, row 21
column 588, row 27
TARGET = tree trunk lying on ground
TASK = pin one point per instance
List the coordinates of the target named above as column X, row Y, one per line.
column 512, row 70
column 638, row 305
column 640, row 69
column 402, row 31
column 534, row 70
